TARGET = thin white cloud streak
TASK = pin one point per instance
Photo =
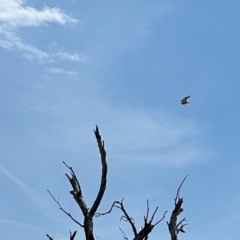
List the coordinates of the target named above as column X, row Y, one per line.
column 139, row 135
column 20, row 224
column 60, row 71
column 75, row 57
column 58, row 52
column 15, row 14
column 23, row 187
column 10, row 41
column 145, row 137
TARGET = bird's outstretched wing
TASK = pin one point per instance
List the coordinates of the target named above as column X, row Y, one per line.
column 184, row 100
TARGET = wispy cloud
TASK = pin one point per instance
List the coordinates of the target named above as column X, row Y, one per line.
column 75, row 57
column 140, row 135
column 58, row 52
column 150, row 136
column 20, row 224
column 9, row 40
column 60, row 71
column 26, row 189
column 15, row 14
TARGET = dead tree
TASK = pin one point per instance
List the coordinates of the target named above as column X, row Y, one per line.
column 76, row 192
column 90, row 213
column 175, row 227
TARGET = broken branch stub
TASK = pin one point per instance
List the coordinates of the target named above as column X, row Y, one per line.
column 174, row 227
column 72, row 236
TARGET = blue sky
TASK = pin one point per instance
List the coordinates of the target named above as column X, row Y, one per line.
column 124, row 65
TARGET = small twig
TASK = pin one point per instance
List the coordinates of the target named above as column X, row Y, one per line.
column 97, row 237
column 123, row 234
column 125, row 217
column 160, row 219
column 153, row 214
column 150, row 222
column 61, row 208
column 128, row 218
column 180, row 225
column 102, row 214
column 72, row 236
column 146, row 218
column 183, row 220
column 70, row 168
column 179, row 188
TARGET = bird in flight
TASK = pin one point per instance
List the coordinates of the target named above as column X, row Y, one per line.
column 185, row 100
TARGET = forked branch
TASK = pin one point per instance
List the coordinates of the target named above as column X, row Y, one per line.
column 78, row 196
column 148, row 224
column 77, row 191
column 125, row 216
column 72, row 236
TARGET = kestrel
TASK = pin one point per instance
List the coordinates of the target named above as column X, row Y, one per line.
column 184, row 100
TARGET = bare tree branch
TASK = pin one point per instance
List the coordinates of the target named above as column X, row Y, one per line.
column 89, row 213
column 123, row 234
column 145, row 218
column 49, row 237
column 61, row 208
column 148, row 226
column 98, row 237
column 104, row 173
column 145, row 230
column 72, row 236
column 109, row 211
column 180, row 223
column 128, row 218
column 160, row 219
column 174, row 227
column 77, row 192
column 125, row 216
column 179, row 188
